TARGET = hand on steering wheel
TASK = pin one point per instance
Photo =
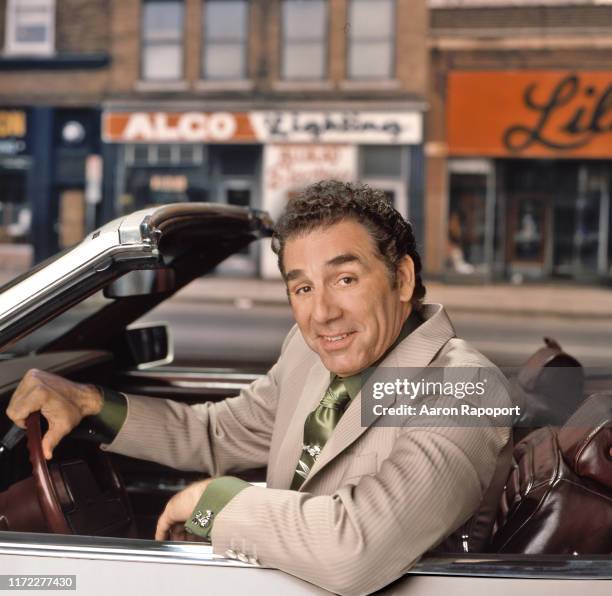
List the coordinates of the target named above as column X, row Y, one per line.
column 47, row 495
column 70, row 495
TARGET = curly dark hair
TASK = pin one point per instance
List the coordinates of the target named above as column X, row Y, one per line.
column 328, row 202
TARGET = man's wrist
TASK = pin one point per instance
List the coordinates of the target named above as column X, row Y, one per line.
column 103, row 426
column 215, row 497
column 92, row 400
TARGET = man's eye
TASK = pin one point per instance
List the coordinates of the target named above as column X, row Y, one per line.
column 347, row 280
column 303, row 290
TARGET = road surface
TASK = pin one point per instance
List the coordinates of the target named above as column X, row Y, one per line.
column 218, row 333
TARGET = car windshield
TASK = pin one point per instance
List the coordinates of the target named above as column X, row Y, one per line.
column 58, row 326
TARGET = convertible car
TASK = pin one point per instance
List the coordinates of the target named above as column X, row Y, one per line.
column 91, row 515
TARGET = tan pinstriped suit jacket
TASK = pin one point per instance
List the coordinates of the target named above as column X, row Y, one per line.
column 376, row 499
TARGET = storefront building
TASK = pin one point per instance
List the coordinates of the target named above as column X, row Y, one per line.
column 15, row 164
column 529, row 174
column 45, row 156
column 258, row 159
column 519, row 141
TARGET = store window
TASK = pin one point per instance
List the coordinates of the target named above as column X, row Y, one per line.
column 558, row 218
column 304, row 48
column 371, row 39
column 384, row 167
column 381, row 161
column 162, row 40
column 225, row 39
column 30, row 27
column 15, row 212
column 15, row 164
column 158, row 174
column 467, row 220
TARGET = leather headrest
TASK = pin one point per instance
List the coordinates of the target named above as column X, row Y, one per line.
column 586, row 439
column 552, row 354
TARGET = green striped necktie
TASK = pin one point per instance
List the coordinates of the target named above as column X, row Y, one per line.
column 319, row 426
column 322, row 421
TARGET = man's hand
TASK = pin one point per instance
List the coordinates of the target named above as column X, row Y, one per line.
column 63, row 403
column 179, row 508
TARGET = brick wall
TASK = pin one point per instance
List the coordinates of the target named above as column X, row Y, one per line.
column 410, row 50
column 256, row 51
column 264, row 56
column 545, row 18
column 125, row 46
column 82, row 26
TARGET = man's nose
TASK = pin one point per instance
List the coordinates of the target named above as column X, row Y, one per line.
column 325, row 307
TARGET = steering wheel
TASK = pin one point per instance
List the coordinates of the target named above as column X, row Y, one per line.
column 75, row 500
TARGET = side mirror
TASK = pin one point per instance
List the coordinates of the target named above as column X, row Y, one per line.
column 141, row 282
column 149, row 344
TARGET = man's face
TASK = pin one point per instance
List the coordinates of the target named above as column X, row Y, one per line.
column 341, row 295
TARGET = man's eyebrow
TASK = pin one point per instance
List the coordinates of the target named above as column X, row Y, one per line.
column 293, row 274
column 335, row 262
column 342, row 259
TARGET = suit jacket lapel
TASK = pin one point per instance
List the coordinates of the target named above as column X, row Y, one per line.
column 290, row 450
column 416, row 351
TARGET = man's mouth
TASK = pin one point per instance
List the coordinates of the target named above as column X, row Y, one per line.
column 334, row 337
column 337, row 340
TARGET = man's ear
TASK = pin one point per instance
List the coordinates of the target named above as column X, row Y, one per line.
column 405, row 278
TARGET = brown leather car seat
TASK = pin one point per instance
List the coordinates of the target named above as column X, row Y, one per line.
column 558, row 496
column 548, row 389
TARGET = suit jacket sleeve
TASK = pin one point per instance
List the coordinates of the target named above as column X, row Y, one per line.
column 213, row 437
column 362, row 537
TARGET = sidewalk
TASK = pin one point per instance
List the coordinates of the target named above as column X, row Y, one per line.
column 536, row 300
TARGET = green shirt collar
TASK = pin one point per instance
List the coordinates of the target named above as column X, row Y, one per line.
column 354, row 383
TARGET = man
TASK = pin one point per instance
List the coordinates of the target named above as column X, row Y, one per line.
column 347, row 507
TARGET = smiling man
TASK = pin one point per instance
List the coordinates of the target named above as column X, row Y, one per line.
column 348, row 305
column 347, row 507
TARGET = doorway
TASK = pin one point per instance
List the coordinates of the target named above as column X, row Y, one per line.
column 581, row 226
column 240, row 193
column 471, row 213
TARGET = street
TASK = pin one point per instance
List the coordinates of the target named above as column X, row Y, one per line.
column 252, row 334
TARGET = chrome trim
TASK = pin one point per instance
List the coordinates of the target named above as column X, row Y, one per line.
column 52, row 276
column 170, row 337
column 119, row 549
column 518, row 566
column 135, row 229
column 24, row 296
column 558, row 567
column 210, row 385
column 96, row 250
column 170, row 372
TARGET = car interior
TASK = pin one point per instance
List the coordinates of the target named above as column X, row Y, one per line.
column 557, row 498
column 90, row 339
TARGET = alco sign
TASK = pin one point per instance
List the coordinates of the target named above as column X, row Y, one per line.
column 530, row 114
column 263, row 127
column 169, row 126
